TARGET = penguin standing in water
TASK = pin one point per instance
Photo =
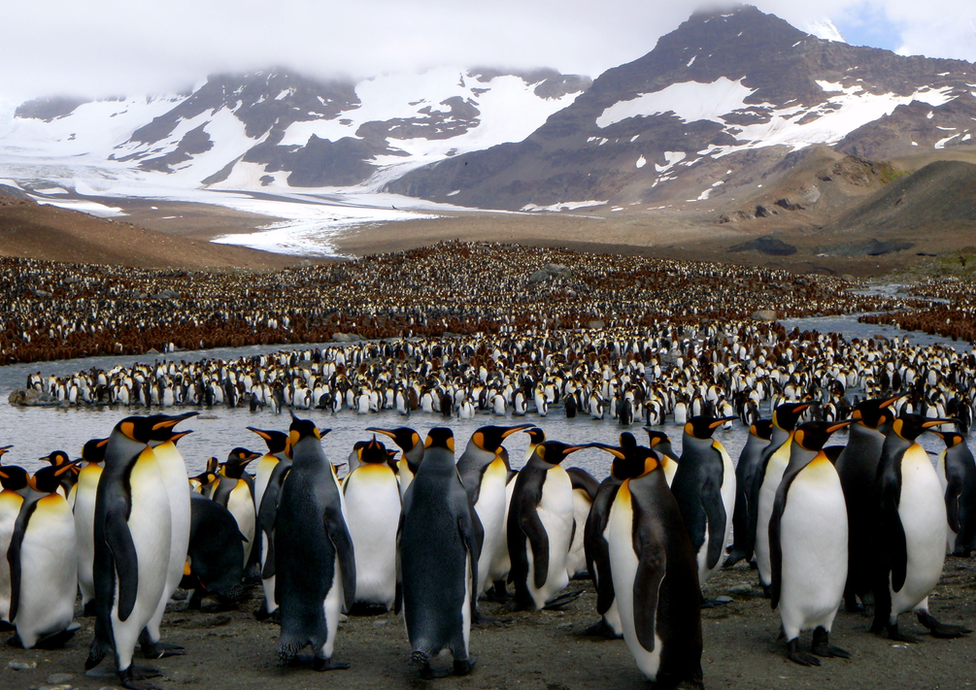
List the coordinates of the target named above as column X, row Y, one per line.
column 704, row 488
column 235, row 491
column 172, row 468
column 659, row 442
column 540, row 529
column 93, row 455
column 484, row 474
column 438, row 558
column 743, row 538
column 654, row 571
column 43, row 564
column 775, row 458
column 411, row 455
column 272, row 469
column 14, row 482
column 373, row 511
column 808, row 544
column 133, row 531
column 857, row 466
column 584, row 491
column 315, row 565
column 913, row 531
column 957, row 475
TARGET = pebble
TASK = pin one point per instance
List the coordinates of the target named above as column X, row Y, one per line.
column 22, row 665
column 741, row 589
column 62, row 686
column 723, row 600
column 59, row 678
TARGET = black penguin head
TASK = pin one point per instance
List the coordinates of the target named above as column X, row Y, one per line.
column 630, row 461
column 814, row 435
column 786, row 416
column 553, row 452
column 406, row 438
column 372, row 452
column 536, row 435
column 162, row 427
column 4, row 449
column 57, row 458
column 951, row 438
column 627, row 440
column 303, row 428
column 277, row 441
column 703, row 426
column 94, row 450
column 13, row 478
column 440, row 437
column 762, row 429
column 911, row 426
column 874, row 412
column 139, row 429
column 237, row 460
column 490, row 438
column 48, row 479
column 654, row 437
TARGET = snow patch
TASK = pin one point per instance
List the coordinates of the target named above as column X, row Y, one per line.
column 92, row 208
column 641, row 162
column 691, row 101
column 672, row 158
column 564, row 206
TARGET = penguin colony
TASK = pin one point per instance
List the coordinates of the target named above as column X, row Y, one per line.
column 62, row 311
column 126, row 525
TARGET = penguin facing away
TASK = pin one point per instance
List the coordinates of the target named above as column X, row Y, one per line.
column 654, row 571
column 808, row 544
column 913, row 531
column 743, row 538
column 957, row 475
column 411, row 455
column 43, row 563
column 438, row 558
column 315, row 567
column 132, row 547
column 215, row 556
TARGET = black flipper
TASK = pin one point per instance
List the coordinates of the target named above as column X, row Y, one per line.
column 651, row 567
column 894, row 531
column 711, row 494
column 953, row 493
column 13, row 556
column 126, row 561
column 335, row 527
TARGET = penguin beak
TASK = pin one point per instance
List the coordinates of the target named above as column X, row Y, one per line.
column 66, row 467
column 937, row 422
column 176, row 437
column 614, row 451
column 839, row 425
column 263, row 434
column 891, row 401
column 516, row 429
column 719, row 422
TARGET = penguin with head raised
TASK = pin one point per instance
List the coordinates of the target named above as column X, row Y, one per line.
column 272, row 469
column 857, row 466
column 438, row 558
column 775, row 458
column 59, row 459
column 743, row 538
column 373, row 513
column 172, row 468
column 808, row 544
column 654, row 571
column 957, row 475
column 43, row 563
column 14, row 482
column 235, row 491
column 661, row 443
column 132, row 535
column 484, row 474
column 411, row 453
column 540, row 529
column 315, row 567
column 912, row 531
column 704, row 488
column 92, row 456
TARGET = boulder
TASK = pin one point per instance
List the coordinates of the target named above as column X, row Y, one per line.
column 764, row 315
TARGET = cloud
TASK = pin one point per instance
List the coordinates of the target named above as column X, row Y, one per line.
column 105, row 47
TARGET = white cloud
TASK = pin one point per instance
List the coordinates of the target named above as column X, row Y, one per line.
column 103, row 47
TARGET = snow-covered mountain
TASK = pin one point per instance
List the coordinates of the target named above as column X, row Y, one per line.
column 281, row 130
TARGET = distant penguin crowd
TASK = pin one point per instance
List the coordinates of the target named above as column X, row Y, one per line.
column 422, row 530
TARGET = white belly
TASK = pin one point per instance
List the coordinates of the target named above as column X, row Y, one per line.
column 491, row 511
column 555, row 510
column 767, row 496
column 372, row 514
column 10, row 503
column 84, row 510
column 923, row 517
column 501, row 562
column 813, row 536
column 241, row 506
column 576, row 560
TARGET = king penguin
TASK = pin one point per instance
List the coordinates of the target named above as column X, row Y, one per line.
column 15, row 483
column 913, row 531
column 775, row 458
column 235, row 491
column 584, row 491
column 315, row 566
column 704, row 488
column 654, row 571
column 438, row 558
column 215, row 558
column 857, row 466
column 808, row 544
column 957, row 475
column 484, row 475
column 540, row 528
column 411, row 455
column 93, row 455
column 743, row 538
column 44, row 563
column 272, row 469
column 660, row 442
column 373, row 510
column 133, row 534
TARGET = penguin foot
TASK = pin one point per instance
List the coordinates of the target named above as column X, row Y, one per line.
column 421, row 660
column 563, row 600
column 603, row 630
column 6, row 626
column 261, row 613
column 794, row 654
column 58, row 639
column 481, row 620
column 15, row 642
column 765, row 589
column 320, row 664
column 822, row 646
column 733, row 556
column 143, row 672
column 498, row 593
column 161, row 650
column 96, row 652
column 463, row 667
column 519, row 604
column 941, row 630
column 894, row 634
column 133, row 681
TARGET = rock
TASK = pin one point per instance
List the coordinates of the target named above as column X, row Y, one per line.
column 538, row 277
column 168, row 293
column 341, row 337
column 849, row 278
column 22, row 665
column 558, row 271
column 62, row 686
column 767, row 245
column 764, row 315
column 29, row 397
column 596, row 323
column 59, row 678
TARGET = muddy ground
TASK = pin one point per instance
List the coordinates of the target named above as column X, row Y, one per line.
column 230, row 650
